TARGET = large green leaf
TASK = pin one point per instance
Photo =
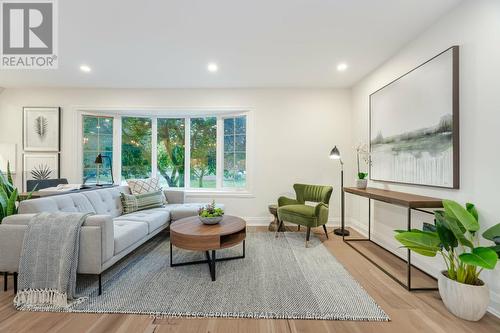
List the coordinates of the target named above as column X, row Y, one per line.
column 453, row 225
column 454, row 209
column 4, row 183
column 480, row 256
column 11, row 203
column 424, row 243
column 496, row 248
column 492, row 233
column 9, row 174
column 448, row 239
column 3, row 202
column 471, row 208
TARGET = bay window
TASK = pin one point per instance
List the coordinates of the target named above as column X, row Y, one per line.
column 136, row 147
column 235, row 152
column 206, row 152
column 203, row 152
column 97, row 134
column 171, row 151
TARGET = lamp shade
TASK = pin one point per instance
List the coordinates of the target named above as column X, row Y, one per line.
column 335, row 153
column 98, row 159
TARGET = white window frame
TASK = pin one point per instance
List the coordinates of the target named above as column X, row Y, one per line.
column 185, row 113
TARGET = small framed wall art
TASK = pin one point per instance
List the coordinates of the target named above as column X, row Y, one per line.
column 40, row 166
column 41, row 128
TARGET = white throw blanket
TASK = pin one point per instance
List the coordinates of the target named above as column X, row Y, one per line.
column 48, row 263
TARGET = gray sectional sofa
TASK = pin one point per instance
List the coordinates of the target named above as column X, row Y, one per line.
column 106, row 236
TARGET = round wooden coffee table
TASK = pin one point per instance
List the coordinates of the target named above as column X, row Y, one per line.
column 190, row 234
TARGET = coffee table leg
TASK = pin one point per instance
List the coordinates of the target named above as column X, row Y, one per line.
column 212, row 270
column 211, row 260
column 170, row 254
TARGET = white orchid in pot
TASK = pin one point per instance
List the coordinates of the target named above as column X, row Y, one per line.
column 455, row 236
column 362, row 154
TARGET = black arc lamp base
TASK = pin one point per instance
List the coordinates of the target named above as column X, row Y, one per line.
column 341, row 232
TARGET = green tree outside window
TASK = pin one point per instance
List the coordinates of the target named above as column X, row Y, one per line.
column 203, row 152
column 171, row 151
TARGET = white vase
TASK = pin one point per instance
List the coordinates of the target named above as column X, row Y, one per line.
column 464, row 300
column 361, row 183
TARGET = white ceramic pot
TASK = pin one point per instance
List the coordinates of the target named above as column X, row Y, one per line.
column 361, row 183
column 211, row 220
column 464, row 300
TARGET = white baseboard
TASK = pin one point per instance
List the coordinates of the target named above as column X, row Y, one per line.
column 417, row 261
column 264, row 221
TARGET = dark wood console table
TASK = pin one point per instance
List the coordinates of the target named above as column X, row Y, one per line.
column 406, row 200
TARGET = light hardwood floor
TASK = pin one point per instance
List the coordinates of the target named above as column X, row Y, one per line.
column 409, row 312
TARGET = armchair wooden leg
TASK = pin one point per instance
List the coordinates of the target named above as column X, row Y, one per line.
column 15, row 282
column 308, row 233
column 326, row 232
column 298, row 227
column 280, row 222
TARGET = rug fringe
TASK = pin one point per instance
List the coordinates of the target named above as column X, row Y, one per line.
column 37, row 297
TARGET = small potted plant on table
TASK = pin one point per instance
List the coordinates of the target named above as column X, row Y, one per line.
column 455, row 236
column 210, row 214
column 362, row 152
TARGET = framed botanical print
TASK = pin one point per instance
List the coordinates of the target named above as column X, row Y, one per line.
column 40, row 166
column 41, row 128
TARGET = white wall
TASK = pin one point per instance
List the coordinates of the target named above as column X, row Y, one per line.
column 295, row 130
column 475, row 27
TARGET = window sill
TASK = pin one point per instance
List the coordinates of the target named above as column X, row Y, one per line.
column 190, row 193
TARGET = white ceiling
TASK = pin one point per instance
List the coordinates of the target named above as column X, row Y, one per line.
column 256, row 43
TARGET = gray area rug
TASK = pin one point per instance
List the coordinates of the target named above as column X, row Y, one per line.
column 278, row 278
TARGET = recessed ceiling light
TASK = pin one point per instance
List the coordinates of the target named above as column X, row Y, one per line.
column 85, row 68
column 342, row 67
column 212, row 67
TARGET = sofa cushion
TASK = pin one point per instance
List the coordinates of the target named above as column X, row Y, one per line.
column 107, row 201
column 71, row 203
column 128, row 233
column 180, row 211
column 154, row 218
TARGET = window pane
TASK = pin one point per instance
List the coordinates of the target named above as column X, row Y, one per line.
column 203, row 152
column 235, row 152
column 228, row 143
column 97, row 139
column 136, row 147
column 240, row 126
column 171, row 152
column 240, row 143
column 228, row 126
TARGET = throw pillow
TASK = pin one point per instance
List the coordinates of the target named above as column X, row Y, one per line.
column 134, row 202
column 140, row 186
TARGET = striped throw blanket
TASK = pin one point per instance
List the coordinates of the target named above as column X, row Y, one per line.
column 48, row 263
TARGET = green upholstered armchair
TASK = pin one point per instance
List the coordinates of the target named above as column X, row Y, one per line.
column 296, row 211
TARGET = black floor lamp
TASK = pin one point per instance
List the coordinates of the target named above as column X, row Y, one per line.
column 98, row 162
column 335, row 155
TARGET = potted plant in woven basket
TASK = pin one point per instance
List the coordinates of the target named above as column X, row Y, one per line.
column 455, row 236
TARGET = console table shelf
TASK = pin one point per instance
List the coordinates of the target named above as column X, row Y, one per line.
column 407, row 200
